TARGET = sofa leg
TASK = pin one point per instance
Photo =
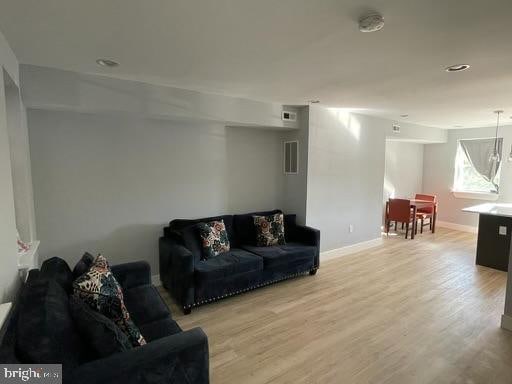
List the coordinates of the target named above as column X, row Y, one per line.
column 186, row 311
column 313, row 272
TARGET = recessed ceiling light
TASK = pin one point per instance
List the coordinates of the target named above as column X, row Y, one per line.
column 457, row 126
column 107, row 63
column 404, row 115
column 457, row 68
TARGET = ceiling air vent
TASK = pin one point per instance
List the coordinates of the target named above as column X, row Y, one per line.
column 396, row 128
column 291, row 157
column 288, row 116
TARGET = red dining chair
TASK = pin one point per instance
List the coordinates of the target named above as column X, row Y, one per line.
column 425, row 212
column 399, row 211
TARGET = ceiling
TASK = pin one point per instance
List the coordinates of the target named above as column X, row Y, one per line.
column 288, row 51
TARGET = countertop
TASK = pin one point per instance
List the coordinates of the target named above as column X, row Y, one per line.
column 496, row 209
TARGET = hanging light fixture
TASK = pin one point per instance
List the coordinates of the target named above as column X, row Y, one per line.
column 494, row 156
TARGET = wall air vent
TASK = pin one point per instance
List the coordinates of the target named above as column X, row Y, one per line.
column 396, row 128
column 288, row 116
column 291, row 157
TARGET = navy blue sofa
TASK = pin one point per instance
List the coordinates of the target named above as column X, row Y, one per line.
column 193, row 282
column 41, row 330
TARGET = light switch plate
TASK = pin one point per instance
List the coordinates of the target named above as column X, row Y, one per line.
column 502, row 230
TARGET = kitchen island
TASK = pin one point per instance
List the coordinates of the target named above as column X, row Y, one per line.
column 493, row 249
column 494, row 234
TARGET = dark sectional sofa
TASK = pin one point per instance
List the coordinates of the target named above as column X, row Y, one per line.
column 193, row 282
column 41, row 330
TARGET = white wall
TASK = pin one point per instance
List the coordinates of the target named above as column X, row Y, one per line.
column 416, row 133
column 9, row 280
column 54, row 89
column 110, row 183
column 20, row 164
column 403, row 176
column 345, row 176
column 439, row 168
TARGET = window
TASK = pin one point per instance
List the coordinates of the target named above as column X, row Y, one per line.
column 476, row 168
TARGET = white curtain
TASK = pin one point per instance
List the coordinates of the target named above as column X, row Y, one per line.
column 480, row 154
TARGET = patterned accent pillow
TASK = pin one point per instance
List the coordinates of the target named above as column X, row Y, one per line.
column 214, row 238
column 269, row 230
column 100, row 290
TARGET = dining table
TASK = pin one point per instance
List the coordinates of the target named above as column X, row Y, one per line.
column 417, row 203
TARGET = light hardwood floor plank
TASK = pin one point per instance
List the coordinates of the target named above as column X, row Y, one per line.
column 409, row 311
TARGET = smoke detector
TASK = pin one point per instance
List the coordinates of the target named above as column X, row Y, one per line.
column 371, row 23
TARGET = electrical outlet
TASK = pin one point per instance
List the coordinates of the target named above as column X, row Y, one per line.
column 502, row 230
column 350, row 228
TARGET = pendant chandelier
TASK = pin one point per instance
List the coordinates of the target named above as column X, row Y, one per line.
column 494, row 156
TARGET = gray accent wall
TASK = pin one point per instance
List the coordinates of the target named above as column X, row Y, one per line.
column 295, row 185
column 109, row 183
column 345, row 176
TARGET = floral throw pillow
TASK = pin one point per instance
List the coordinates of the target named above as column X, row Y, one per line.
column 269, row 230
column 214, row 238
column 101, row 291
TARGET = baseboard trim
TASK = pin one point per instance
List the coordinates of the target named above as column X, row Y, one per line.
column 349, row 249
column 506, row 322
column 457, row 227
column 155, row 280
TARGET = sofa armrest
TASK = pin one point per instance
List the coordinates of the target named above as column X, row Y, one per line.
column 179, row 358
column 305, row 235
column 177, row 270
column 131, row 275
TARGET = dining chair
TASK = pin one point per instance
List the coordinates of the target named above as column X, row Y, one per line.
column 425, row 212
column 399, row 211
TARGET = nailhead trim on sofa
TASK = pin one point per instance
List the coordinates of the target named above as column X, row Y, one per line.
column 213, row 299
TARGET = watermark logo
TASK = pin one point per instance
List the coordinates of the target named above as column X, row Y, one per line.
column 31, row 373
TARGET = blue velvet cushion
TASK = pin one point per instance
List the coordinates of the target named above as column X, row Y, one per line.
column 145, row 304
column 289, row 254
column 192, row 241
column 245, row 231
column 45, row 329
column 159, row 328
column 83, row 265
column 227, row 264
column 57, row 269
column 103, row 336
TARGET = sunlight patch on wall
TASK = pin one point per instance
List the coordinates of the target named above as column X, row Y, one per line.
column 389, row 189
column 348, row 120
